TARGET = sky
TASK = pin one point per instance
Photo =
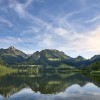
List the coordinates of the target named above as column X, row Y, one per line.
column 71, row 26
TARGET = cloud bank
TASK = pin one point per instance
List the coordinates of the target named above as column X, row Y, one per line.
column 34, row 25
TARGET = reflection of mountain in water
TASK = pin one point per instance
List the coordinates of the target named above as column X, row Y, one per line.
column 45, row 83
column 74, row 92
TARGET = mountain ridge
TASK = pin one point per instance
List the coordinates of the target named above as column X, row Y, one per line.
column 12, row 55
column 45, row 57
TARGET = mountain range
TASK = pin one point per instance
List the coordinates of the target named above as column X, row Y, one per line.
column 47, row 57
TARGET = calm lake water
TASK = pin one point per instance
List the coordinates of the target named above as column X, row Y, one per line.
column 49, row 86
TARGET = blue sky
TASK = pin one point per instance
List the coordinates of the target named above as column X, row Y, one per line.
column 72, row 26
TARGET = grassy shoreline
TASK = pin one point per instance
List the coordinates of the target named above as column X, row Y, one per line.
column 5, row 70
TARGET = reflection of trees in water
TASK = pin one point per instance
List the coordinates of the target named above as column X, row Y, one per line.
column 95, row 79
column 46, row 83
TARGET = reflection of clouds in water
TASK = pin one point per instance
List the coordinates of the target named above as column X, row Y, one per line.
column 89, row 88
column 74, row 92
column 1, row 97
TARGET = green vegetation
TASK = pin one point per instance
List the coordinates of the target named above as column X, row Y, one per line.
column 47, row 60
column 47, row 57
column 46, row 83
column 12, row 55
column 4, row 70
column 65, row 67
column 51, row 59
column 59, row 70
column 94, row 66
column 95, row 73
column 92, row 69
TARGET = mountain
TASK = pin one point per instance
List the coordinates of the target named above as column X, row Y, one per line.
column 12, row 55
column 48, row 57
column 12, row 51
column 93, row 61
column 55, row 58
column 95, row 58
column 76, row 62
column 79, row 61
column 79, row 58
column 50, row 54
column 94, row 66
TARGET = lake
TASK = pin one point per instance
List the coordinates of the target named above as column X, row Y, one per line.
column 49, row 86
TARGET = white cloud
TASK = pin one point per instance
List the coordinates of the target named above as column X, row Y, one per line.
column 28, row 2
column 60, row 33
column 5, row 22
column 68, row 39
column 47, row 41
column 86, row 44
column 21, row 10
column 96, row 18
column 93, row 42
column 89, row 90
column 10, row 40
